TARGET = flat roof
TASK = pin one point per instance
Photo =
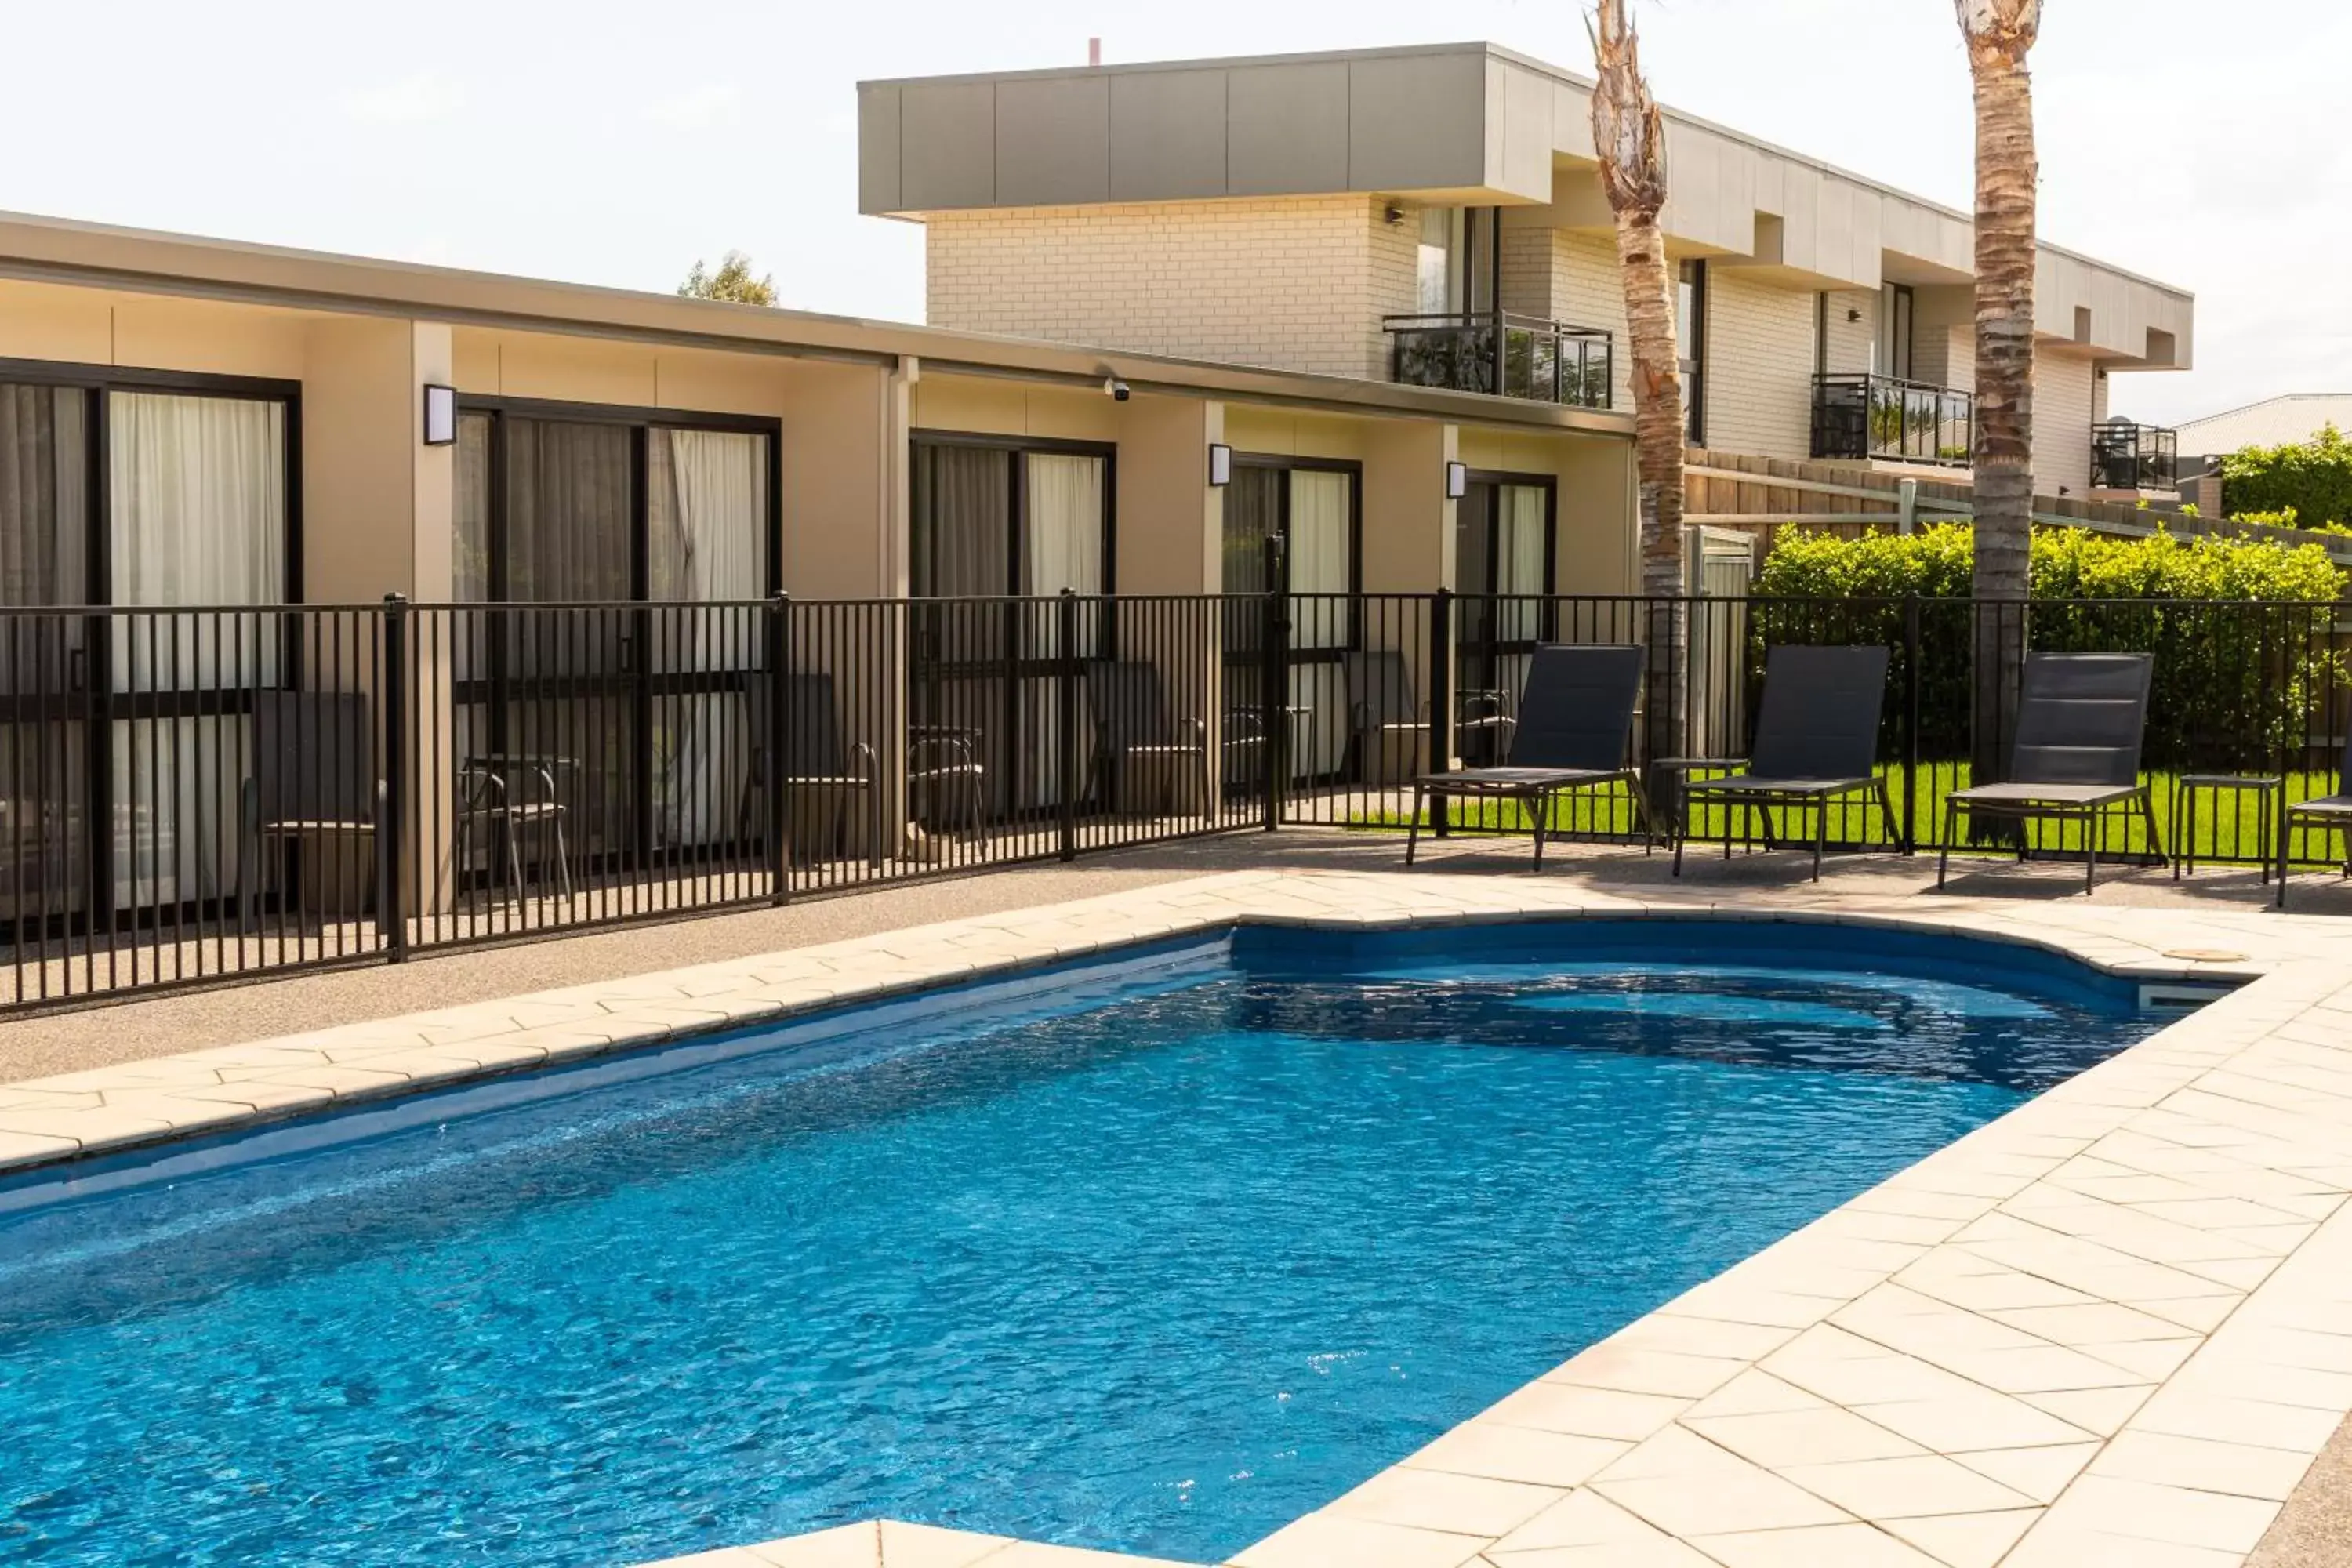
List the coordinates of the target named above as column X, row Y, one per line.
column 36, row 248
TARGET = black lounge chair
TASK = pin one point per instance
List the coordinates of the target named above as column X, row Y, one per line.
column 1385, row 716
column 2325, row 813
column 1816, row 742
column 822, row 778
column 1575, row 727
column 2080, row 721
column 1142, row 749
column 314, row 790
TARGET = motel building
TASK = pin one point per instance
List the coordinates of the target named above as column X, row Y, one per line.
column 1329, row 333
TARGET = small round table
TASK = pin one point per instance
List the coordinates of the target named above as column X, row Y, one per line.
column 2267, row 791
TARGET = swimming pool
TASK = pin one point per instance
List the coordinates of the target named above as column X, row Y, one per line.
column 1154, row 1255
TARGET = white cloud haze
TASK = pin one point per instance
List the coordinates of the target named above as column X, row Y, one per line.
column 596, row 141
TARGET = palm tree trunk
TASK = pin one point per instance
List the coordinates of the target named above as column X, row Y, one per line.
column 1998, row 34
column 1631, row 144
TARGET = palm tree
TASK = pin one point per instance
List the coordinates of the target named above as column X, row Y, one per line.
column 1631, row 144
column 1999, row 34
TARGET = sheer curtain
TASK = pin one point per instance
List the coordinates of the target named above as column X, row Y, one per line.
column 44, row 534
column 1520, row 560
column 197, row 491
column 1063, row 548
column 1319, row 562
column 707, row 514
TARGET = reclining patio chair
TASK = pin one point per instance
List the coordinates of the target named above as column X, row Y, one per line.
column 314, row 790
column 2080, row 721
column 1816, row 742
column 1574, row 730
column 1388, row 724
column 1143, row 751
column 822, row 778
column 2326, row 813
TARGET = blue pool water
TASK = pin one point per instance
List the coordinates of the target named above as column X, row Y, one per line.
column 1153, row 1256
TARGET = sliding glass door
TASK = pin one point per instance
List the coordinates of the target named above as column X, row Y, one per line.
column 1503, row 546
column 124, row 740
column 1297, row 518
column 992, row 520
column 628, row 710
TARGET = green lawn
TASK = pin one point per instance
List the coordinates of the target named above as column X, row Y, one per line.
column 2226, row 828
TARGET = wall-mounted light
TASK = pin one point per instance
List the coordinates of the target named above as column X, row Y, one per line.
column 1457, row 481
column 1221, row 463
column 1854, row 312
column 440, row 414
column 1395, row 214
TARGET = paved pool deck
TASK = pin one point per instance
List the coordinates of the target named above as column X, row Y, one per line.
column 2113, row 1326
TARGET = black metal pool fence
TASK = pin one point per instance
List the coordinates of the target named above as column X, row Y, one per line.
column 194, row 794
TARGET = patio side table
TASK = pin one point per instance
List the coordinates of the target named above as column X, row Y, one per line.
column 2268, row 792
column 1675, row 772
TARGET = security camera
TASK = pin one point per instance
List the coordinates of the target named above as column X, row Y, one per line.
column 1120, row 391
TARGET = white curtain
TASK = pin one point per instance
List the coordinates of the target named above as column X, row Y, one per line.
column 197, row 497
column 1063, row 544
column 1319, row 509
column 1520, row 560
column 707, row 513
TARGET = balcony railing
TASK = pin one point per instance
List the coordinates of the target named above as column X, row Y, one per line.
column 1878, row 417
column 1546, row 361
column 2128, row 456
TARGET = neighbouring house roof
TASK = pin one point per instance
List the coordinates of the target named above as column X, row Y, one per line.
column 2295, row 416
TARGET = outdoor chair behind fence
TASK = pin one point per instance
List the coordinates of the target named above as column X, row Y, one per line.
column 2082, row 719
column 1574, row 731
column 1816, row 742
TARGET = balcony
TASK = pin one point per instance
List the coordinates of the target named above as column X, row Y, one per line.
column 2128, row 456
column 1544, row 361
column 1880, row 418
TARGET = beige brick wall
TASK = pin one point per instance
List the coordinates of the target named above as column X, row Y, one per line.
column 1569, row 276
column 1852, row 344
column 1293, row 284
column 1759, row 367
column 2062, row 421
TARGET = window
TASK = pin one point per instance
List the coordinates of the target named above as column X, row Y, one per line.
column 639, row 720
column 1312, row 507
column 1503, row 531
column 198, row 509
column 1690, row 331
column 1894, row 310
column 1438, row 278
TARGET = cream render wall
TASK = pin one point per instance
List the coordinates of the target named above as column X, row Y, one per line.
column 1850, row 345
column 1296, row 284
column 1595, row 547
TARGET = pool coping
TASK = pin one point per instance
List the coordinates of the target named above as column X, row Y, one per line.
column 2114, row 1324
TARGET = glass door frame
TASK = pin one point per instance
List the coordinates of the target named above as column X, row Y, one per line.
column 1242, row 664
column 637, row 682
column 1012, row 665
column 1478, row 653
column 87, row 694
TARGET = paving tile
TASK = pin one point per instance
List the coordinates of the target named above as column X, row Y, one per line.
column 1971, row 1418
column 1518, row 1453
column 1586, row 1412
column 1628, row 1370
column 1324, row 1540
column 2239, row 1469
column 2067, row 1547
column 2040, row 1473
column 1904, row 1488
column 1585, row 1521
column 2176, row 1515
column 1966, row 1539
column 1688, row 1487
column 1820, row 1437
column 1756, row 1393
column 1437, row 1500
column 1815, row 1546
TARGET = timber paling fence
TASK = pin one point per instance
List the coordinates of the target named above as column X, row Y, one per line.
column 193, row 795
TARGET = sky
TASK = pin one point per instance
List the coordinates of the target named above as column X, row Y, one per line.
column 605, row 143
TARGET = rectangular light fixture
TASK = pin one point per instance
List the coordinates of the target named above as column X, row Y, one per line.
column 1457, row 481
column 440, row 414
column 1221, row 463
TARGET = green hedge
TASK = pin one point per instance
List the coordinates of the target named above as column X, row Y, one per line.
column 2235, row 681
column 2309, row 480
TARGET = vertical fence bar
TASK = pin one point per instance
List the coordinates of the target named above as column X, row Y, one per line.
column 1911, row 723
column 1065, row 715
column 1441, row 705
column 1274, row 685
column 776, row 747
column 391, row 909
